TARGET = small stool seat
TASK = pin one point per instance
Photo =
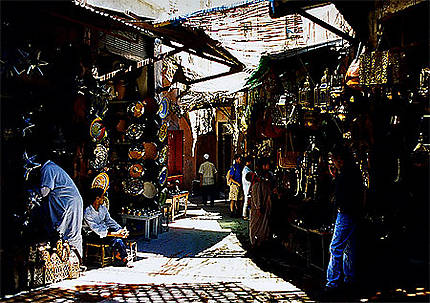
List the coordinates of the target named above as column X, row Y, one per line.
column 99, row 253
column 102, row 254
column 131, row 249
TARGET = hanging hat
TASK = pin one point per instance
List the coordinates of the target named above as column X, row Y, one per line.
column 97, row 130
column 149, row 190
column 101, row 181
column 163, row 110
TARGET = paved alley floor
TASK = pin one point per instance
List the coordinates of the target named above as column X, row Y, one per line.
column 200, row 259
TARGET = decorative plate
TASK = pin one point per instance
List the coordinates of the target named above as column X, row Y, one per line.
column 133, row 187
column 136, row 152
column 136, row 109
column 162, row 197
column 136, row 170
column 163, row 155
column 135, row 131
column 163, row 110
column 149, row 190
column 162, row 177
column 162, row 133
column 101, row 181
column 97, row 130
column 151, row 152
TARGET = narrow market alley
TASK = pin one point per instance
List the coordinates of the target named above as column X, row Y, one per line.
column 214, row 151
column 200, row 259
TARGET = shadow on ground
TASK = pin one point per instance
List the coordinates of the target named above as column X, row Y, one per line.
column 180, row 242
column 181, row 292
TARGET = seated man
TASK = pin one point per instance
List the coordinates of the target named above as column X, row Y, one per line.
column 97, row 217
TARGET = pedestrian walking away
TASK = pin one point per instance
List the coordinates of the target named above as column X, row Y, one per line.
column 207, row 173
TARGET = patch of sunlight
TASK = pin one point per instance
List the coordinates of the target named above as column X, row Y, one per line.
column 200, row 220
column 270, row 284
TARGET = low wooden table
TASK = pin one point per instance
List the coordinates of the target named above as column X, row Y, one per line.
column 179, row 205
column 148, row 232
column 315, row 246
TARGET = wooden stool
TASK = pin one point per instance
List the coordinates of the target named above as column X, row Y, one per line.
column 99, row 253
column 131, row 250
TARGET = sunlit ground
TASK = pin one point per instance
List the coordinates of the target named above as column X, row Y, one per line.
column 198, row 260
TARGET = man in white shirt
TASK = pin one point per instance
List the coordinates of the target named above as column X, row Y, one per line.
column 97, row 217
column 246, row 185
column 207, row 173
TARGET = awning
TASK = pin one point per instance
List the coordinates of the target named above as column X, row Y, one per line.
column 180, row 38
column 278, row 60
column 196, row 41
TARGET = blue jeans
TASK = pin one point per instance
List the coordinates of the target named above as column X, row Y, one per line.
column 119, row 246
column 342, row 251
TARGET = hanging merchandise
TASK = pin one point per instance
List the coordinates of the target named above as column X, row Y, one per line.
column 305, row 94
column 149, row 190
column 136, row 152
column 424, row 84
column 163, row 196
column 133, row 187
column 101, row 157
column 97, row 130
column 136, row 170
column 151, row 152
column 163, row 110
column 136, row 109
column 308, row 170
column 29, row 62
column 162, row 177
column 135, row 131
column 163, row 155
column 101, row 181
column 380, row 67
column 287, row 157
column 30, row 164
column 162, row 132
column 322, row 92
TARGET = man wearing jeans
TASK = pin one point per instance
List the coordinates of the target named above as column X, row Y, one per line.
column 99, row 221
column 348, row 194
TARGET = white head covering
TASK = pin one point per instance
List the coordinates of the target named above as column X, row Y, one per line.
column 206, row 156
